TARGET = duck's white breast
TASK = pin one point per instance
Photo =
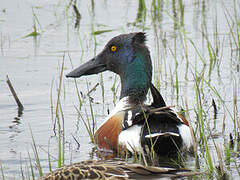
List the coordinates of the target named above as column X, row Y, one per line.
column 130, row 138
column 185, row 133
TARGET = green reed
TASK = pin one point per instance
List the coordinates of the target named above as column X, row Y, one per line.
column 87, row 125
column 114, row 90
column 35, row 31
column 102, row 87
column 90, row 122
column 233, row 24
column 141, row 14
column 2, row 171
column 92, row 118
column 49, row 157
column 58, row 115
column 201, row 125
column 37, row 159
column 152, row 152
column 76, row 86
column 31, row 167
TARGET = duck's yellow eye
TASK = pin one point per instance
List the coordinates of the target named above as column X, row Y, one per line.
column 113, row 48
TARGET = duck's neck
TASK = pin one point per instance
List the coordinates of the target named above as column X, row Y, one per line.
column 136, row 79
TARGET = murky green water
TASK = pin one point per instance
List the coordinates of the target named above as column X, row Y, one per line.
column 182, row 43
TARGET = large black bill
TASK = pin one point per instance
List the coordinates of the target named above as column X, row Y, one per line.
column 91, row 67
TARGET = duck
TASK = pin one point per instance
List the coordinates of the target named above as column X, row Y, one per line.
column 114, row 169
column 133, row 125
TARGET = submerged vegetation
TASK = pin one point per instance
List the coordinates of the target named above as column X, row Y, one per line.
column 195, row 49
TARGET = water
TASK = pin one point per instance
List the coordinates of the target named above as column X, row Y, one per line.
column 33, row 65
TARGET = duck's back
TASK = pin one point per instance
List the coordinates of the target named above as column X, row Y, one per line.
column 138, row 127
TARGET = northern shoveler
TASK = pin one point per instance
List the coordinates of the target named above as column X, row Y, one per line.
column 93, row 169
column 132, row 124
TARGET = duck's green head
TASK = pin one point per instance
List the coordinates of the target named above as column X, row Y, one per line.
column 128, row 56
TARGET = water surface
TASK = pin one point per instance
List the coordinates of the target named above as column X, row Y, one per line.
column 179, row 48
